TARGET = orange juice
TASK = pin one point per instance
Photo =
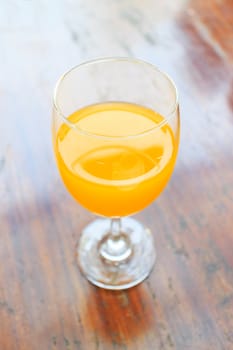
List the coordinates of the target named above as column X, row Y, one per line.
column 115, row 158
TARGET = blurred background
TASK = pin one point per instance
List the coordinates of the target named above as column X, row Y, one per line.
column 39, row 40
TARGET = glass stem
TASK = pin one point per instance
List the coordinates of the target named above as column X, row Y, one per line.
column 115, row 247
column 115, row 228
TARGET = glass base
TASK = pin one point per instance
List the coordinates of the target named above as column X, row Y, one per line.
column 114, row 262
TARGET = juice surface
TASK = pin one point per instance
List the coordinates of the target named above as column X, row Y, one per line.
column 110, row 161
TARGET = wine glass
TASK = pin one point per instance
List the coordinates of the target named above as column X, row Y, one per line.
column 115, row 135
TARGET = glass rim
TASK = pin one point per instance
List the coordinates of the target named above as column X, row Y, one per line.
column 166, row 117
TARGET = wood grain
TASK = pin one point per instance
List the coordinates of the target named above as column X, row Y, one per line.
column 187, row 302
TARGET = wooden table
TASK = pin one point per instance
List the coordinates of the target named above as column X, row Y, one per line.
column 187, row 302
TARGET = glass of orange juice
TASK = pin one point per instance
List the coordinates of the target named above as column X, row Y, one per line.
column 115, row 135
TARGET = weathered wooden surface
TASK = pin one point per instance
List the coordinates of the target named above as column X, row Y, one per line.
column 187, row 303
